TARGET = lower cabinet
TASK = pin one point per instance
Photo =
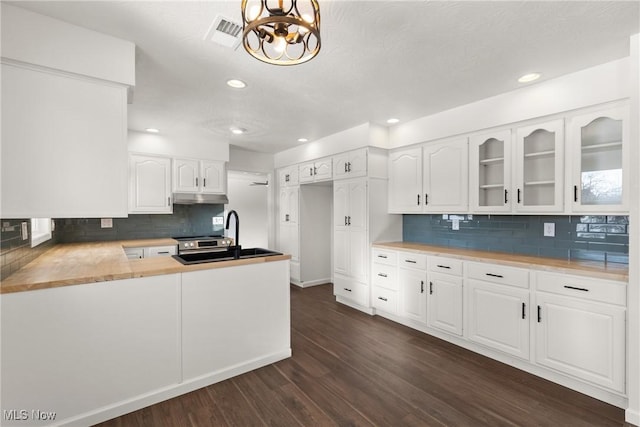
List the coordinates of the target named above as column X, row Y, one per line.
column 566, row 328
column 579, row 336
column 412, row 278
column 497, row 317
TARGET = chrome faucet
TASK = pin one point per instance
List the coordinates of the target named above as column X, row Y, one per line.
column 236, row 248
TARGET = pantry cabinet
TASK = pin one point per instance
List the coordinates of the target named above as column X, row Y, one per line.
column 149, row 184
column 599, row 153
column 288, row 233
column 199, row 176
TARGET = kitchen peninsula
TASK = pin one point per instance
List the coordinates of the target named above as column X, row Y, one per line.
column 143, row 330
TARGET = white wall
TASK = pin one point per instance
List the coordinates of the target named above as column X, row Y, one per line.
column 633, row 292
column 596, row 85
column 37, row 39
column 357, row 137
column 250, row 161
column 253, row 207
column 193, row 145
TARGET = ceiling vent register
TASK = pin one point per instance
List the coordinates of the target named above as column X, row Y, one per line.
column 224, row 32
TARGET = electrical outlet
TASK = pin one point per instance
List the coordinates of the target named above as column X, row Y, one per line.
column 106, row 223
column 455, row 224
column 549, row 229
column 217, row 220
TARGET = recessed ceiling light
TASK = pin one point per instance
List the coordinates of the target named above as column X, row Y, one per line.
column 393, row 121
column 152, row 130
column 529, row 77
column 238, row 131
column 303, row 140
column 236, row 84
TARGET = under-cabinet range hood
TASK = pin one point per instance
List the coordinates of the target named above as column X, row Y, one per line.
column 199, row 199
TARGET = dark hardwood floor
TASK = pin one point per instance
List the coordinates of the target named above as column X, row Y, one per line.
column 351, row 369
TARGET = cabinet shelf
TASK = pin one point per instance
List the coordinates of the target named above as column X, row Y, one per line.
column 489, row 186
column 532, row 183
column 549, row 153
column 492, row 161
column 601, row 146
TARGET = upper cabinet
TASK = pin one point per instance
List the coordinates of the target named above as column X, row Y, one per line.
column 539, row 167
column 351, row 164
column 490, row 172
column 522, row 174
column 199, row 176
column 427, row 179
column 319, row 170
column 599, row 153
column 288, row 176
column 149, row 184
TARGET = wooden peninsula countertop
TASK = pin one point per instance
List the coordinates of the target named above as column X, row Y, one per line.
column 78, row 263
column 594, row 269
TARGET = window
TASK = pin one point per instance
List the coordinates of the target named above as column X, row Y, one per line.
column 40, row 230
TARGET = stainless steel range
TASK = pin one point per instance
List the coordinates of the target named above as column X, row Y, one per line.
column 201, row 244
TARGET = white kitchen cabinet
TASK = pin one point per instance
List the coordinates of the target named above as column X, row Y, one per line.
column 351, row 164
column 599, row 144
column 289, row 237
column 288, row 177
column 149, row 184
column 539, row 167
column 445, row 178
column 384, row 281
column 580, row 328
column 64, row 145
column 444, row 300
column 429, row 178
column 316, row 171
column 350, row 232
column 405, row 181
column 490, row 172
column 412, row 284
column 199, row 176
column 498, row 308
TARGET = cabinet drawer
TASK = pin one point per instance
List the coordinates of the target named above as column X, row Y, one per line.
column 412, row 260
column 498, row 274
column 383, row 256
column 582, row 287
column 351, row 290
column 445, row 265
column 385, row 300
column 385, row 276
column 160, row 251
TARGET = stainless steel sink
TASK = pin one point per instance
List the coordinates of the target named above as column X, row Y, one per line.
column 225, row 255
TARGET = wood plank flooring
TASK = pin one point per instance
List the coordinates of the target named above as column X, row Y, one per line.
column 351, row 369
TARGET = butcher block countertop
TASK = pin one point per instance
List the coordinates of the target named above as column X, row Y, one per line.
column 593, row 269
column 78, row 263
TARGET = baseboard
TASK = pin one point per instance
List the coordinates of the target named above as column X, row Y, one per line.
column 351, row 304
column 169, row 392
column 311, row 283
column 632, row 417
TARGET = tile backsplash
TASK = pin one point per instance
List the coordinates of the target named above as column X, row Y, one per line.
column 186, row 220
column 16, row 251
column 587, row 237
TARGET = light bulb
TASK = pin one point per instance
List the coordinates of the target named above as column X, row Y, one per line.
column 280, row 44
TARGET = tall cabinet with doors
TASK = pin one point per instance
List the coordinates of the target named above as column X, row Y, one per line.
column 359, row 218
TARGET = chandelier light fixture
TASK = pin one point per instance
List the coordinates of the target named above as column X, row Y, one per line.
column 281, row 32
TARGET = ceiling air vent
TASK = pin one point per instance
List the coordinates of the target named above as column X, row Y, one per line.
column 225, row 32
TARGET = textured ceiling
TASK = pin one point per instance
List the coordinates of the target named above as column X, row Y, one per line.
column 379, row 59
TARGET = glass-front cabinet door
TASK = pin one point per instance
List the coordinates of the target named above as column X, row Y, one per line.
column 600, row 152
column 540, row 167
column 490, row 172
